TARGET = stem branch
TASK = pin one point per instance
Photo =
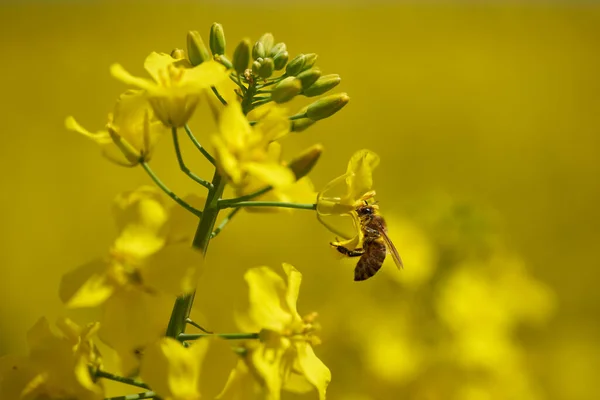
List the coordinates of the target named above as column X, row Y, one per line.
column 205, row 153
column 301, row 206
column 182, row 165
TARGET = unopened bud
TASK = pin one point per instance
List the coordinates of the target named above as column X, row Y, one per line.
column 217, row 39
column 280, row 60
column 301, row 124
column 327, row 106
column 197, row 51
column 302, row 164
column 311, row 59
column 295, row 66
column 266, row 68
column 241, row 56
column 222, row 58
column 309, row 77
column 278, row 48
column 322, row 85
column 267, row 41
column 286, row 90
column 255, row 67
column 178, row 54
column 258, row 51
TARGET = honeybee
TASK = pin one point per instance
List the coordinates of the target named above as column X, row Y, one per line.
column 376, row 243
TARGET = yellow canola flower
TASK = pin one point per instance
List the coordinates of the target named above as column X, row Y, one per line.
column 58, row 366
column 284, row 357
column 143, row 256
column 173, row 371
column 174, row 91
column 248, row 155
column 131, row 133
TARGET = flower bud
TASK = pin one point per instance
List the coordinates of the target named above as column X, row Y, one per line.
column 309, row 77
column 302, row 164
column 267, row 41
column 295, row 66
column 258, row 50
column 278, row 48
column 178, row 54
column 322, row 85
column 286, row 90
column 241, row 56
column 266, row 68
column 327, row 106
column 280, row 60
column 311, row 59
column 217, row 39
column 255, row 67
column 301, row 124
column 222, row 58
column 197, row 51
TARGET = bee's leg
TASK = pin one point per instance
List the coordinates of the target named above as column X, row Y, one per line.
column 347, row 252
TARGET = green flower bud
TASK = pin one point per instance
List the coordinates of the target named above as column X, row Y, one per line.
column 267, row 41
column 295, row 66
column 217, row 39
column 255, row 67
column 266, row 68
column 298, row 125
column 327, row 106
column 309, row 77
column 258, row 51
column 302, row 164
column 280, row 60
column 241, row 56
column 197, row 51
column 222, row 58
column 278, row 48
column 322, row 85
column 286, row 90
column 311, row 59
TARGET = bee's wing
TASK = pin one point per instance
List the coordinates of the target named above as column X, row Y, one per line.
column 391, row 247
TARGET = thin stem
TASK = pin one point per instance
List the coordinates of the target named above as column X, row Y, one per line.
column 274, row 81
column 205, row 153
column 168, row 191
column 260, row 103
column 216, row 92
column 223, row 203
column 297, row 116
column 144, row 395
column 227, row 336
column 122, row 379
column 224, row 222
column 192, row 323
column 236, row 79
column 270, row 204
column 182, row 165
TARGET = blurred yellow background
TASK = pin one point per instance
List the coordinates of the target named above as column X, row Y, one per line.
column 486, row 120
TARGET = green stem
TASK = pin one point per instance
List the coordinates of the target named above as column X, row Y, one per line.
column 182, row 165
column 270, row 204
column 216, row 92
column 205, row 153
column 122, row 379
column 260, row 103
column 224, row 222
column 297, row 116
column 192, row 323
column 227, row 336
column 144, row 395
column 168, row 191
column 223, row 203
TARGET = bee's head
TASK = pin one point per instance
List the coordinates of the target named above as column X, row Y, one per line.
column 365, row 210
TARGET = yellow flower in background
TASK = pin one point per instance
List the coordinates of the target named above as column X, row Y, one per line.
column 172, row 370
column 284, row 357
column 58, row 366
column 174, row 91
column 144, row 255
column 248, row 155
column 131, row 133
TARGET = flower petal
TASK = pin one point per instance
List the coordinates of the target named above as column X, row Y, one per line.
column 313, row 369
column 294, row 279
column 86, row 286
column 156, row 62
column 100, row 137
column 267, row 299
column 173, row 269
column 272, row 174
column 118, row 72
column 360, row 173
column 234, row 127
column 205, row 75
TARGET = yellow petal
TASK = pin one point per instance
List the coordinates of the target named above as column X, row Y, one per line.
column 240, row 385
column 234, row 127
column 360, row 173
column 226, row 161
column 86, row 286
column 100, row 137
column 313, row 369
column 118, row 72
column 156, row 62
column 266, row 297
column 205, row 75
column 174, row 269
column 294, row 278
column 272, row 174
column 173, row 371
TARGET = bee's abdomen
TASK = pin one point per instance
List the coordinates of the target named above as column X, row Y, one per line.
column 370, row 262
